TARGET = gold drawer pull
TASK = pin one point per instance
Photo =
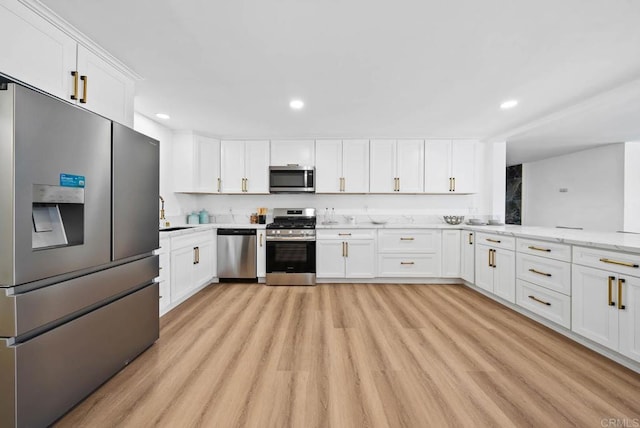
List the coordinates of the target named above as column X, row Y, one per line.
column 75, row 75
column 615, row 262
column 407, row 263
column 531, row 247
column 539, row 273
column 407, row 239
column 494, row 240
column 344, row 234
column 539, row 301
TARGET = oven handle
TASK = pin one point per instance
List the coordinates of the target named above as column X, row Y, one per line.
column 290, row 238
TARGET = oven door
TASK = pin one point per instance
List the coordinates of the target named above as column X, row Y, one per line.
column 291, row 257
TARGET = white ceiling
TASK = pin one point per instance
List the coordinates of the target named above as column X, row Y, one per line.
column 373, row 68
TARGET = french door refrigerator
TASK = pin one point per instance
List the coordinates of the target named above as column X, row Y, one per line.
column 78, row 226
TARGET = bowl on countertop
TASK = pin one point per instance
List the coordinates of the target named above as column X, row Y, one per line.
column 453, row 219
column 476, row 221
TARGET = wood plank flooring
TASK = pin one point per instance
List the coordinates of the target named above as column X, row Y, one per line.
column 359, row 355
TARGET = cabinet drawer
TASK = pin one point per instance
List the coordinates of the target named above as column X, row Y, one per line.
column 553, row 306
column 624, row 263
column 345, row 234
column 496, row 241
column 409, row 265
column 189, row 239
column 548, row 273
column 550, row 250
column 409, row 241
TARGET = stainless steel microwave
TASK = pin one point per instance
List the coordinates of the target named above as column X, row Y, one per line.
column 292, row 179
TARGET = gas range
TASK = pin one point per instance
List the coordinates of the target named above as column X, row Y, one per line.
column 292, row 224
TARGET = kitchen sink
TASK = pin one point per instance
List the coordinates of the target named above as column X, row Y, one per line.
column 171, row 229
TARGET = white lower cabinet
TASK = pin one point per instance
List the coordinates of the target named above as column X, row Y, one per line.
column 413, row 253
column 549, row 304
column 192, row 263
column 606, row 309
column 496, row 271
column 345, row 254
column 467, row 256
column 451, row 254
column 164, row 274
column 261, row 254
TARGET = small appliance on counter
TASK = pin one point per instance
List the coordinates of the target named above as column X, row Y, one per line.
column 291, row 247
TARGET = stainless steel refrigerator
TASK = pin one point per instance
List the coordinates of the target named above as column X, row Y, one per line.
column 78, row 226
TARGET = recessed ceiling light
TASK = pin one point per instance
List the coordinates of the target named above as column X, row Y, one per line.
column 508, row 104
column 296, row 104
column 163, row 116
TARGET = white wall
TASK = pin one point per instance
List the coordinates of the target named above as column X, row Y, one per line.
column 632, row 187
column 594, row 180
column 163, row 134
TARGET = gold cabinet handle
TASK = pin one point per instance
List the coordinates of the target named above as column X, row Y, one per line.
column 407, row 239
column 261, row 239
column 219, row 184
column 470, row 240
column 195, row 255
column 450, row 184
column 75, row 75
column 615, row 262
column 539, row 301
column 454, row 184
column 346, row 246
column 540, row 273
column 342, row 184
column 343, row 250
column 497, row 241
column 610, row 294
column 531, row 247
column 493, row 260
column 398, row 184
column 490, row 258
column 407, row 263
column 85, row 81
column 344, row 234
column 621, row 281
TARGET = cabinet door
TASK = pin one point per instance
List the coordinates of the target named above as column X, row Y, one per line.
column 437, row 166
column 355, row 166
column 181, row 273
column 410, row 165
column 591, row 314
column 463, row 166
column 182, row 162
column 467, row 262
column 328, row 166
column 451, row 254
column 629, row 319
column 261, row 254
column 257, row 166
column 203, row 269
column 108, row 91
column 504, row 276
column 484, row 271
column 330, row 259
column 360, row 259
column 382, row 172
column 292, row 152
column 35, row 52
column 232, row 166
column 207, row 164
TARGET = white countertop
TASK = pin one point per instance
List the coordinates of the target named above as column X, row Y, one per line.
column 608, row 240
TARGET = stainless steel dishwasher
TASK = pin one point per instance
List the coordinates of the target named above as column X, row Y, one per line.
column 237, row 254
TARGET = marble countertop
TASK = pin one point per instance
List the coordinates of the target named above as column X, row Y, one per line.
column 607, row 240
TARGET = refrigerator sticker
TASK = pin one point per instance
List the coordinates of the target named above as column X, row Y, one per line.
column 70, row 180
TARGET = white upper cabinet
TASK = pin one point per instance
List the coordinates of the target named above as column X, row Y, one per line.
column 397, row 166
column 245, row 166
column 102, row 88
column 293, row 152
column 35, row 52
column 45, row 57
column 342, row 166
column 450, row 166
column 195, row 163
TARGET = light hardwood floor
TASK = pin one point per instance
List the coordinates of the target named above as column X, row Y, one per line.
column 359, row 355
